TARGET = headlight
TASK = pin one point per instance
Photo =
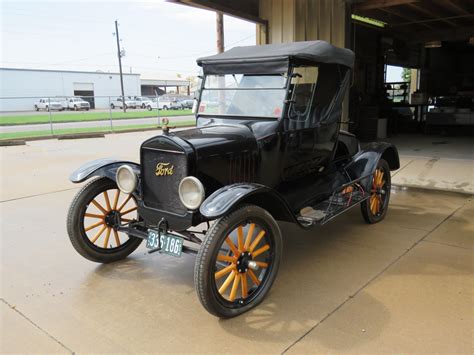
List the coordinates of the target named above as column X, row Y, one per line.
column 191, row 192
column 126, row 179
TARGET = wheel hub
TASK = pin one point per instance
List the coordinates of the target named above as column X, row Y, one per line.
column 112, row 219
column 243, row 262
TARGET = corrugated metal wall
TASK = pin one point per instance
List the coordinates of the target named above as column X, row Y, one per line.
column 303, row 20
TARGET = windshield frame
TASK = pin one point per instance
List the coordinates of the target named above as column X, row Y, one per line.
column 285, row 87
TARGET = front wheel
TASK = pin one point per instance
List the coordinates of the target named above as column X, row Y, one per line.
column 375, row 207
column 148, row 108
column 96, row 212
column 112, row 106
column 238, row 261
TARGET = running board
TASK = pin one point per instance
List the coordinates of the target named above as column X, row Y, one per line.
column 341, row 200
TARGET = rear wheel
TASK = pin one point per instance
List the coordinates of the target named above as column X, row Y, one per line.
column 112, row 106
column 148, row 108
column 96, row 212
column 238, row 261
column 375, row 207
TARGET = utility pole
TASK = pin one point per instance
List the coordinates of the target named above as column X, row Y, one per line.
column 220, row 32
column 119, row 53
column 220, row 49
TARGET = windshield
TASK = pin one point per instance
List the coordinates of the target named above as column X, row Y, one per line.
column 243, row 95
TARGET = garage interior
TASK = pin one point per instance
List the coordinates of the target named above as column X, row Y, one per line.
column 433, row 40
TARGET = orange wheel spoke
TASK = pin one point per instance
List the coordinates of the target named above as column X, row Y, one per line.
column 235, row 287
column 240, row 238
column 117, row 194
column 92, row 215
column 107, row 201
column 244, row 286
column 227, row 282
column 99, row 206
column 128, row 211
column 228, row 258
column 99, row 233
column 257, row 240
column 260, row 251
column 124, row 203
column 249, row 236
column 107, row 236
column 232, row 246
column 262, row 264
column 224, row 271
column 253, row 277
column 94, row 226
column 117, row 238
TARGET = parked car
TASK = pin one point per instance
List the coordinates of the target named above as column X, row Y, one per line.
column 142, row 102
column 163, row 104
column 271, row 149
column 176, row 105
column 187, row 104
column 77, row 103
column 48, row 104
column 129, row 103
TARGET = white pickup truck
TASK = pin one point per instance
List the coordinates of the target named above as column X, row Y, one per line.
column 47, row 104
column 129, row 103
column 142, row 102
column 77, row 103
column 163, row 104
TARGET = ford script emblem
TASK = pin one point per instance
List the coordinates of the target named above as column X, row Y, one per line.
column 164, row 169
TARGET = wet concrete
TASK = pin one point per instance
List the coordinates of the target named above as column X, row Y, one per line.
column 403, row 285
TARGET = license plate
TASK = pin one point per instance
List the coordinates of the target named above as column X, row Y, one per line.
column 169, row 244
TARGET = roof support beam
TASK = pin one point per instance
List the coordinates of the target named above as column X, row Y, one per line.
column 379, row 4
column 430, row 13
column 454, row 6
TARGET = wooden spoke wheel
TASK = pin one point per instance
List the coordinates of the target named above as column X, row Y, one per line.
column 375, row 207
column 238, row 261
column 93, row 220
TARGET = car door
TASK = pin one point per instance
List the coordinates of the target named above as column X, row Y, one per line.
column 298, row 130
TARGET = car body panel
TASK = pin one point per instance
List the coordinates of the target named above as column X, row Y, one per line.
column 101, row 167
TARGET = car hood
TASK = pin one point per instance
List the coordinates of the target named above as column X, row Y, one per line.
column 219, row 140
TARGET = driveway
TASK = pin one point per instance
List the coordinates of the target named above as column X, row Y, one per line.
column 403, row 285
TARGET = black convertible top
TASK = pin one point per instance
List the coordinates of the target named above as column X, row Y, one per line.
column 274, row 57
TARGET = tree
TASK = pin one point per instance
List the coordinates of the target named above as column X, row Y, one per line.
column 406, row 74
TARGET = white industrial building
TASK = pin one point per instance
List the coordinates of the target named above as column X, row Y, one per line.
column 21, row 88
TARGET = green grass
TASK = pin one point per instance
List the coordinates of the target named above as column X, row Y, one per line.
column 60, row 117
column 47, row 133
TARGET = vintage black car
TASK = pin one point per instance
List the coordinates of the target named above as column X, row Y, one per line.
column 267, row 147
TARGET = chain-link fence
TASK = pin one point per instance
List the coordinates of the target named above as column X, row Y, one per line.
column 27, row 117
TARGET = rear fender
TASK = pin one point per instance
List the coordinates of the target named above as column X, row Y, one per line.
column 101, row 168
column 229, row 197
column 365, row 161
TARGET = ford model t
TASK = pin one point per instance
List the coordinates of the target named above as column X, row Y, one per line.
column 267, row 147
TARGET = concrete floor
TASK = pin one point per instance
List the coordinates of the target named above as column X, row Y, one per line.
column 404, row 285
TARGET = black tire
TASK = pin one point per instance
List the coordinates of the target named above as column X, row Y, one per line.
column 381, row 193
column 47, row 108
column 75, row 107
column 36, row 108
column 206, row 262
column 87, row 108
column 148, row 108
column 77, row 234
column 165, row 107
column 112, row 106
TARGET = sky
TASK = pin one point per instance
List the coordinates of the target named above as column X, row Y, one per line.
column 160, row 39
column 394, row 74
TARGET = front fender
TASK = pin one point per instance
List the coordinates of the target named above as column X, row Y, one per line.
column 227, row 198
column 101, row 167
column 365, row 161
